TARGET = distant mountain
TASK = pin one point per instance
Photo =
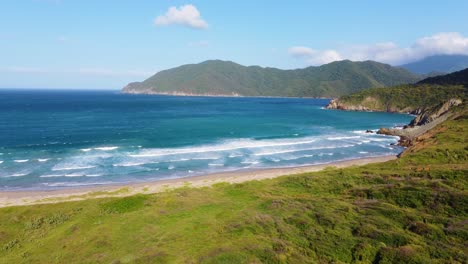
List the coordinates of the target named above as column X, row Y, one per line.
column 456, row 78
column 438, row 64
column 216, row 77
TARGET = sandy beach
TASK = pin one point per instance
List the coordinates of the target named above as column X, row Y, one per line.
column 18, row 198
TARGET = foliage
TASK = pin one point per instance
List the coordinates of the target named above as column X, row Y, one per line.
column 456, row 78
column 404, row 98
column 227, row 78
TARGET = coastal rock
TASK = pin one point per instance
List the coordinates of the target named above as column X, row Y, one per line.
column 386, row 131
column 432, row 114
column 337, row 104
column 426, row 120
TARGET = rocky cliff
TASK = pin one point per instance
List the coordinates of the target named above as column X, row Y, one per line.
column 423, row 122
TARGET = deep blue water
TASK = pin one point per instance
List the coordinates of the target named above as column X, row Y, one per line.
column 52, row 139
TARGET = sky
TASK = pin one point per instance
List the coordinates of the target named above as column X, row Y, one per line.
column 89, row 44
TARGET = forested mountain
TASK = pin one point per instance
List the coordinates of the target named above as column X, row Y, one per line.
column 456, row 78
column 438, row 64
column 216, row 77
column 413, row 98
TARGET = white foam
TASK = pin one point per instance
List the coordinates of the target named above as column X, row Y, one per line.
column 178, row 160
column 250, row 162
column 93, row 175
column 1, row 161
column 74, row 175
column 170, row 167
column 51, row 176
column 207, row 158
column 227, row 146
column 235, row 155
column 298, row 150
column 42, row 160
column 73, row 168
column 215, row 164
column 72, row 184
column 344, row 137
column 363, row 152
column 130, row 164
column 86, row 149
column 386, row 138
column 18, row 175
column 21, row 161
column 106, row 148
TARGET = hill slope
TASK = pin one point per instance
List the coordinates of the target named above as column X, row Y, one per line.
column 456, row 78
column 415, row 98
column 438, row 63
column 228, row 78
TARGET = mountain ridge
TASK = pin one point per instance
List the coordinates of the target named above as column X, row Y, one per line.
column 441, row 64
column 227, row 78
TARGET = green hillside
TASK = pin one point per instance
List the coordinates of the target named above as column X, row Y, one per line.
column 456, row 78
column 228, row 78
column 410, row 210
column 425, row 94
column 405, row 98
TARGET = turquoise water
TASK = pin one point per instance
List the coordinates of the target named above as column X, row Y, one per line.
column 56, row 139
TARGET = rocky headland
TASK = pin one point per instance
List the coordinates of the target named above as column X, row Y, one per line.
column 432, row 101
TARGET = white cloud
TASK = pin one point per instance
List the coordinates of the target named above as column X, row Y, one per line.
column 314, row 57
column 301, row 52
column 387, row 52
column 187, row 15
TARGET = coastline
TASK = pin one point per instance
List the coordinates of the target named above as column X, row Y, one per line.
column 19, row 198
column 182, row 94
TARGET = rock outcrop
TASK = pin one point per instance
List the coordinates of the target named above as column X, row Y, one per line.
column 337, row 104
column 426, row 120
column 432, row 114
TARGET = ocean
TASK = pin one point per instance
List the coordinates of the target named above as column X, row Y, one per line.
column 53, row 139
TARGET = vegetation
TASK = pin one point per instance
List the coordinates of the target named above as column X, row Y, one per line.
column 428, row 93
column 411, row 210
column 404, row 98
column 227, row 78
column 456, row 78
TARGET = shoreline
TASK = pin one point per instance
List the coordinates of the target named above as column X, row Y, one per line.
column 19, row 198
column 181, row 94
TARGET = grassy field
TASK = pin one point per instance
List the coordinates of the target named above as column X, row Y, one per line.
column 411, row 210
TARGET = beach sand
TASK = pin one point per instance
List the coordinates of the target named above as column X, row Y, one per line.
column 17, row 198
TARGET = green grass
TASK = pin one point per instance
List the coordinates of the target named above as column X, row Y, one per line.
column 411, row 210
column 404, row 98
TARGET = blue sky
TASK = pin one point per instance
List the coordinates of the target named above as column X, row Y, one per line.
column 106, row 44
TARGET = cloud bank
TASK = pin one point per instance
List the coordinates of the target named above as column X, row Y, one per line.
column 446, row 43
column 187, row 15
